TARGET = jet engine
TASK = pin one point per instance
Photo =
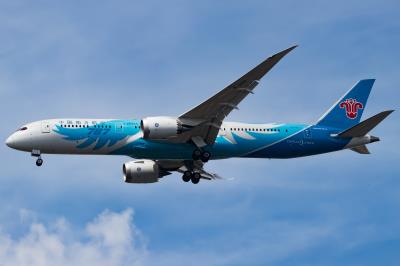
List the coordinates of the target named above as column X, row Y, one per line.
column 141, row 171
column 160, row 127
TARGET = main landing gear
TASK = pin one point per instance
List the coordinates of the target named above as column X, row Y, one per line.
column 198, row 154
column 39, row 160
column 193, row 176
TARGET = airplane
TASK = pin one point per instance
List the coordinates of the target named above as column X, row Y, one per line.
column 161, row 145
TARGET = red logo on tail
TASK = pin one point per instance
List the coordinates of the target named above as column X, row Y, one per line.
column 351, row 106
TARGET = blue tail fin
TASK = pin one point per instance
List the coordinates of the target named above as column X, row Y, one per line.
column 347, row 111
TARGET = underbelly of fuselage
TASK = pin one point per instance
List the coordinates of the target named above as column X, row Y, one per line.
column 145, row 149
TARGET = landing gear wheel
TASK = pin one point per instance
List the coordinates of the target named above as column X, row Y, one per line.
column 39, row 162
column 196, row 154
column 205, row 156
column 195, row 178
column 187, row 175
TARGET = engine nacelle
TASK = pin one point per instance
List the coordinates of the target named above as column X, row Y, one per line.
column 160, row 127
column 141, row 171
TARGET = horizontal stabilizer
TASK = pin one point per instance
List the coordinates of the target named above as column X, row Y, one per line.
column 361, row 149
column 366, row 126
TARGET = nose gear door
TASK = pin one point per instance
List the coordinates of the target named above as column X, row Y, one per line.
column 45, row 127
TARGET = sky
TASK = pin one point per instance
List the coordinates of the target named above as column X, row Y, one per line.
column 132, row 59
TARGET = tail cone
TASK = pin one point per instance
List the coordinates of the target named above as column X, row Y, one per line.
column 374, row 139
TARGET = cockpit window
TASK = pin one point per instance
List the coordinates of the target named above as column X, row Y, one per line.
column 23, row 128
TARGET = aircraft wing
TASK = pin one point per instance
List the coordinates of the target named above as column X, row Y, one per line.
column 205, row 119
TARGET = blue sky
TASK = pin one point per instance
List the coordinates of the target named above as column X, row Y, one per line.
column 131, row 59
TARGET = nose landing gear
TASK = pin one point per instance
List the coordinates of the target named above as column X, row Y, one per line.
column 39, row 160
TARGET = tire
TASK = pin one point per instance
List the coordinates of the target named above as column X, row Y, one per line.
column 205, row 156
column 195, row 178
column 196, row 154
column 187, row 175
column 39, row 162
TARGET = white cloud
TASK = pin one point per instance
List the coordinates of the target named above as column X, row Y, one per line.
column 110, row 239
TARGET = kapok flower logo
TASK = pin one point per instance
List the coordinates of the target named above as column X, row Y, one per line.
column 351, row 106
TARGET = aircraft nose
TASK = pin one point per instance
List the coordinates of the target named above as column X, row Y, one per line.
column 10, row 141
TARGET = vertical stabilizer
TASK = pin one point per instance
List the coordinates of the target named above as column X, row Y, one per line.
column 347, row 111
